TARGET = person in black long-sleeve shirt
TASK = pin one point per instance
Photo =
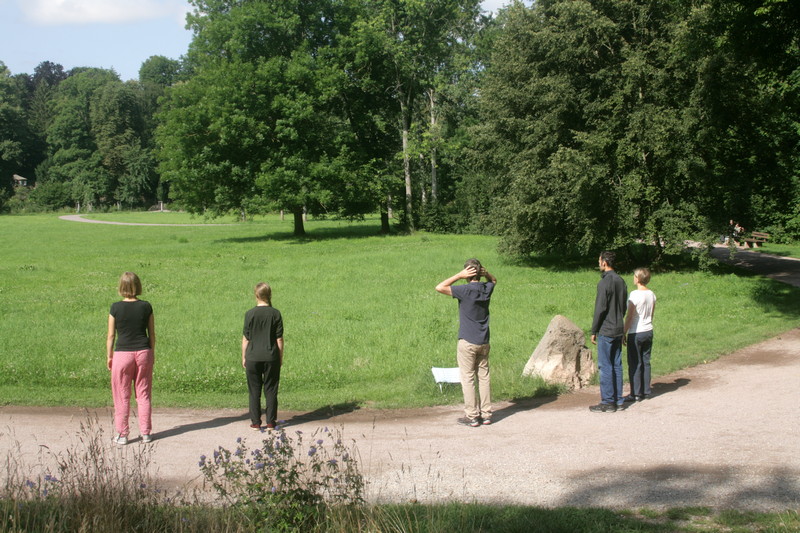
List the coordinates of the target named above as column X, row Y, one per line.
column 607, row 332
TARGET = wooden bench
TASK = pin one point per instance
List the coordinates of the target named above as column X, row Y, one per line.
column 756, row 239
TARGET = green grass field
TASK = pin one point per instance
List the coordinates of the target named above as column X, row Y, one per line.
column 363, row 324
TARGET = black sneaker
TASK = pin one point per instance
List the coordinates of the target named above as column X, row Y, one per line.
column 603, row 408
column 471, row 422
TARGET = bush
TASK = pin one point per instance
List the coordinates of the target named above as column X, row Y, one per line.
column 284, row 480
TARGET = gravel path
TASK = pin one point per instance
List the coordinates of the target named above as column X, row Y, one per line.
column 80, row 218
column 722, row 435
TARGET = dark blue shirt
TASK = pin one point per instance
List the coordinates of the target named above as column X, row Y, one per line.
column 473, row 310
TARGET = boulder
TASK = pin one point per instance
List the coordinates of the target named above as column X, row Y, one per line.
column 562, row 355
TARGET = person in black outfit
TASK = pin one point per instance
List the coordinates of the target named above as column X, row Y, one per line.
column 262, row 356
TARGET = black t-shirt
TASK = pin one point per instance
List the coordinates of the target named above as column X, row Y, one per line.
column 131, row 320
column 263, row 326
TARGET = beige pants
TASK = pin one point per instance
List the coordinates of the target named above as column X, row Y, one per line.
column 474, row 359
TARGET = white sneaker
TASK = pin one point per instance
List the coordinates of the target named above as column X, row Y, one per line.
column 146, row 439
column 121, row 440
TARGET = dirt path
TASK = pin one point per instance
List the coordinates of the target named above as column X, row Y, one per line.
column 80, row 218
column 722, row 435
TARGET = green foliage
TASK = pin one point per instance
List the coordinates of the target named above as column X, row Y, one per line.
column 610, row 123
column 286, row 482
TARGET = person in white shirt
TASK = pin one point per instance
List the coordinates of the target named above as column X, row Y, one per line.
column 638, row 335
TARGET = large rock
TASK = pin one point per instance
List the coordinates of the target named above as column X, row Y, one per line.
column 562, row 355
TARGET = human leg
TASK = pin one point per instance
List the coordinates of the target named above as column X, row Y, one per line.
column 616, row 358
column 144, row 388
column 255, row 381
column 644, row 343
column 466, row 358
column 484, row 383
column 272, row 376
column 123, row 369
column 606, row 370
column 634, row 366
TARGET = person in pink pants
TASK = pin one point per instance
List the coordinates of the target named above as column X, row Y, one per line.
column 130, row 346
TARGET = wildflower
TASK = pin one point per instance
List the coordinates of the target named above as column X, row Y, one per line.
column 274, row 490
column 333, row 462
column 312, row 451
column 320, row 442
column 142, row 485
column 50, row 478
column 30, row 484
column 259, row 466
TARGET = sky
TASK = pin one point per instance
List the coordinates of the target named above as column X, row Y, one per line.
column 112, row 34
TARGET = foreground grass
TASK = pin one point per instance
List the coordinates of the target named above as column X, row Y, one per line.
column 363, row 322
column 75, row 515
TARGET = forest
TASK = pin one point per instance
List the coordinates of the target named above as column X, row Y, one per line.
column 567, row 125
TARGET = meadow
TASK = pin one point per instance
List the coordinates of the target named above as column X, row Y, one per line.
column 363, row 323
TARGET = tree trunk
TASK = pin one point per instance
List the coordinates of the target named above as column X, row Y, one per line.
column 404, row 111
column 299, row 227
column 385, row 222
column 434, row 163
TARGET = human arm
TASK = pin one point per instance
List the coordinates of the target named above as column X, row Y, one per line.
column 628, row 321
column 151, row 332
column 112, row 335
column 245, row 343
column 490, row 278
column 444, row 286
column 280, row 349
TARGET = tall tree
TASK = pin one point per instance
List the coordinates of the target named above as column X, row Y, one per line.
column 13, row 131
column 259, row 124
column 407, row 44
column 615, row 122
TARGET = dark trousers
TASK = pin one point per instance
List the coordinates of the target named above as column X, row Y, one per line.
column 639, row 348
column 267, row 376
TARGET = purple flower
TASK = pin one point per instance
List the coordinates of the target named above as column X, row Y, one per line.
column 259, row 466
column 333, row 462
column 312, row 451
column 320, row 442
column 238, row 440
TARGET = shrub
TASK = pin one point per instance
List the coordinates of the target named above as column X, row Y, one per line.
column 286, row 480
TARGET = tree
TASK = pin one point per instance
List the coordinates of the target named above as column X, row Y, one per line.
column 406, row 44
column 259, row 124
column 612, row 123
column 13, row 131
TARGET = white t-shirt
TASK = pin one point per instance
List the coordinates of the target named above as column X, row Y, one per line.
column 644, row 301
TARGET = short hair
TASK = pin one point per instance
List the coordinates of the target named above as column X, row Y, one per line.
column 264, row 292
column 130, row 286
column 643, row 275
column 474, row 263
column 609, row 257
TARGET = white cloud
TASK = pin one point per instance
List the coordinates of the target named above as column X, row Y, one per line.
column 64, row 12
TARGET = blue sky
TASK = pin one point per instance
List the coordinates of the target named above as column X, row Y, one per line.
column 118, row 34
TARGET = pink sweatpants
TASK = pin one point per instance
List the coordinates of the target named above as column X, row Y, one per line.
column 136, row 368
